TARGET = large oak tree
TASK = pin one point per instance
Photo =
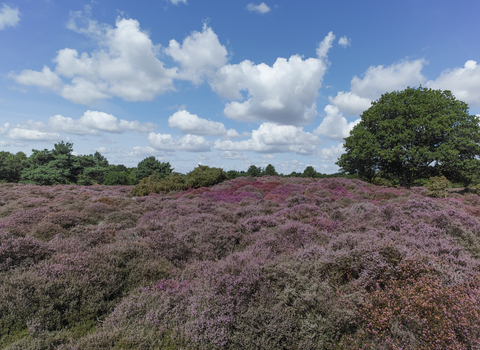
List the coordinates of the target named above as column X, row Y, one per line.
column 414, row 133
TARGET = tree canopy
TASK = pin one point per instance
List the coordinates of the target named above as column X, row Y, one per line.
column 150, row 165
column 414, row 133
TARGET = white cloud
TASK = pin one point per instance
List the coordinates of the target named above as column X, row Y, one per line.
column 284, row 93
column 268, row 156
column 126, row 66
column 376, row 81
column 32, row 135
column 45, row 79
column 262, row 8
column 335, row 126
column 344, row 41
column 189, row 143
column 176, row 2
column 272, row 138
column 349, row 103
column 332, row 153
column 94, row 122
column 463, row 82
column 142, row 152
column 191, row 124
column 9, row 17
column 3, row 130
column 325, row 45
column 233, row 155
column 199, row 55
column 379, row 80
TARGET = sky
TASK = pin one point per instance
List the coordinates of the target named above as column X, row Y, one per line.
column 221, row 83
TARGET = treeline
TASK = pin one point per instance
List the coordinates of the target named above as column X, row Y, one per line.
column 60, row 166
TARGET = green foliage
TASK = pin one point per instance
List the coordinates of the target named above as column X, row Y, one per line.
column 201, row 176
column 11, row 166
column 150, row 165
column 437, row 187
column 380, row 181
column 60, row 166
column 156, row 184
column 119, row 178
column 309, row 172
column 204, row 176
column 270, row 170
column 412, row 134
column 254, row 171
column 232, row 174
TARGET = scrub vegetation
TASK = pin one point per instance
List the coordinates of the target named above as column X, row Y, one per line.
column 248, row 263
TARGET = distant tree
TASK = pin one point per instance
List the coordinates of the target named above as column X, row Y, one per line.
column 50, row 167
column 270, row 170
column 254, row 171
column 232, row 174
column 150, row 165
column 310, row 172
column 60, row 166
column 412, row 134
column 11, row 166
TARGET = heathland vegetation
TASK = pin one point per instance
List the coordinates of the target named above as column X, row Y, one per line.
column 100, row 256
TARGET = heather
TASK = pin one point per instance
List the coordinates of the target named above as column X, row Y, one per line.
column 248, row 263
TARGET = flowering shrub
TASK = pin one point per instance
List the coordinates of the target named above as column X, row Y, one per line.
column 250, row 263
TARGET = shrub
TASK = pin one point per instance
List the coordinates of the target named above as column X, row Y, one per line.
column 437, row 187
column 155, row 184
column 416, row 310
column 205, row 176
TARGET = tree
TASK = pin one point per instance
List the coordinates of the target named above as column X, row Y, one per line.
column 11, row 166
column 270, row 170
column 412, row 134
column 150, row 165
column 310, row 172
column 254, row 171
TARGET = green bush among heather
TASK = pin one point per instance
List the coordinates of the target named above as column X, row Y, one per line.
column 248, row 263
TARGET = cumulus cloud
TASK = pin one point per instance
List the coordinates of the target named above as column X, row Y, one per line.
column 344, row 41
column 335, row 126
column 379, row 79
column 191, row 124
column 332, row 153
column 94, row 122
column 262, row 8
column 273, row 138
column 284, row 93
column 199, row 55
column 189, row 143
column 126, row 66
column 376, row 81
column 45, row 79
column 350, row 103
column 142, row 152
column 463, row 82
column 232, row 155
column 268, row 156
column 9, row 17
column 32, row 135
column 325, row 45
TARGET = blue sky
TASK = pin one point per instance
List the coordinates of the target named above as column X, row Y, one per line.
column 221, row 83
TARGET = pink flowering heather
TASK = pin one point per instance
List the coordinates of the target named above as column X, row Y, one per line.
column 251, row 263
